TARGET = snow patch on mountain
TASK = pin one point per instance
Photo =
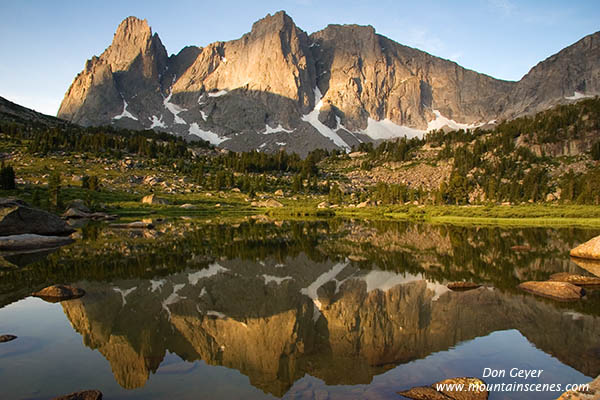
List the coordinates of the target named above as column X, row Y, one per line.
column 157, row 122
column 209, row 136
column 218, row 94
column 277, row 129
column 174, row 109
column 313, row 119
column 440, row 121
column 276, row 279
column 577, row 96
column 386, row 129
column 125, row 113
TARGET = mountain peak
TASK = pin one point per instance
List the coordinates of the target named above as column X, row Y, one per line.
column 132, row 38
column 278, row 21
column 133, row 26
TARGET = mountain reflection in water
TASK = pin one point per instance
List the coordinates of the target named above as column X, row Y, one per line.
column 339, row 301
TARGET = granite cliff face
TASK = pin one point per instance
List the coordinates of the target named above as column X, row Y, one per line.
column 277, row 87
column 129, row 69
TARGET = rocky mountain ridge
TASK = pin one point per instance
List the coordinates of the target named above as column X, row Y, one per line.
column 278, row 87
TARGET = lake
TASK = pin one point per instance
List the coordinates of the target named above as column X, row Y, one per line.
column 262, row 309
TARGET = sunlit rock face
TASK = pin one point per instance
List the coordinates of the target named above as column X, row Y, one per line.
column 277, row 321
column 278, row 87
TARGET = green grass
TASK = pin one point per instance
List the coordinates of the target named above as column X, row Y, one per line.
column 517, row 222
column 519, row 215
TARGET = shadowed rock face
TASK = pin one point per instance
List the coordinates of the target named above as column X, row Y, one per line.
column 552, row 81
column 303, row 90
column 131, row 67
column 277, row 322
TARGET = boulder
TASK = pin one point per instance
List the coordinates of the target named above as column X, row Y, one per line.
column 592, row 266
column 79, row 204
column 555, row 290
column 589, row 249
column 153, row 199
column 83, row 395
column 56, row 293
column 424, row 393
column 465, row 394
column 579, row 280
column 462, row 285
column 29, row 241
column 7, row 338
column 279, row 193
column 75, row 213
column 432, row 392
column 323, row 204
column 17, row 218
column 363, row 204
column 593, row 392
column 187, row 206
column 270, row 203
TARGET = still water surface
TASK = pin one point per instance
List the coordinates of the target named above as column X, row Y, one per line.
column 324, row 309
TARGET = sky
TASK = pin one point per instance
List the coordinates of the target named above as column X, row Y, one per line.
column 44, row 44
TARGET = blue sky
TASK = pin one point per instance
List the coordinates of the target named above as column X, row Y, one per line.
column 44, row 44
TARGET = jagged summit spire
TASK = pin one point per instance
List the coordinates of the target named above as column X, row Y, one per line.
column 277, row 21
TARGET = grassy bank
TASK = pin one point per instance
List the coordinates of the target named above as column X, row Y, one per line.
column 227, row 203
column 517, row 215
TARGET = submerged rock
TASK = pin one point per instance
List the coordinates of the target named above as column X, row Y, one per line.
column 56, row 293
column 17, row 218
column 7, row 338
column 83, row 395
column 29, row 241
column 457, row 286
column 74, row 213
column 592, row 266
column 579, row 280
column 432, row 393
column 79, row 204
column 556, row 290
column 589, row 249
